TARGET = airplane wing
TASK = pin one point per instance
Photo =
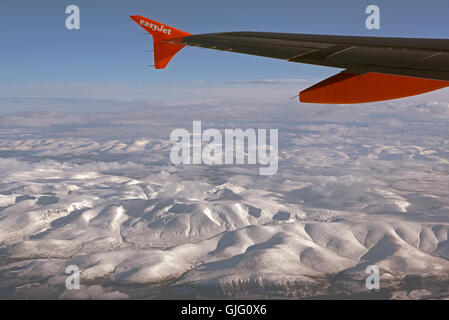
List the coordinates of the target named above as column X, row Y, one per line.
column 376, row 68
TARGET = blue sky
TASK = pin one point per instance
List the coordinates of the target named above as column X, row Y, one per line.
column 110, row 48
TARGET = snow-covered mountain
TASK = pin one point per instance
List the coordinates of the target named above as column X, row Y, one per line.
column 348, row 194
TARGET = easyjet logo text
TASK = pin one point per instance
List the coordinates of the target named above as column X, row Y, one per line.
column 155, row 27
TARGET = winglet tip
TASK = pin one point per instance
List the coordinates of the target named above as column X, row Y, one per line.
column 134, row 18
column 163, row 51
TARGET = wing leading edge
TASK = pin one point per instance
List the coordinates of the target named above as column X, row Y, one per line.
column 376, row 68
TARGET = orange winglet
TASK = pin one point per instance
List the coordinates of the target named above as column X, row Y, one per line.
column 164, row 51
column 369, row 87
